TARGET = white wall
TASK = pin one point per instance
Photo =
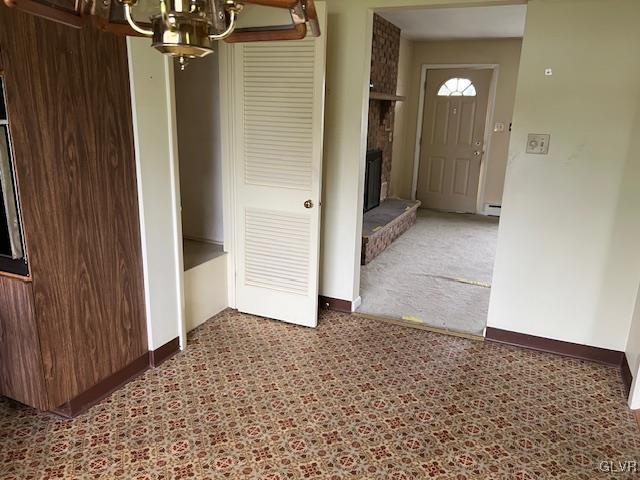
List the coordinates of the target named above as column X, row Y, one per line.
column 198, row 119
column 205, row 291
column 631, row 183
column 402, row 138
column 348, row 69
column 567, row 265
column 151, row 76
column 568, row 261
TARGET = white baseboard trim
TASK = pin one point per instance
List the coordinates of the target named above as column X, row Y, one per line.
column 355, row 305
column 203, row 240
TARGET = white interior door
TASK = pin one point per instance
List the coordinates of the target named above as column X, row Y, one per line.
column 452, row 143
column 278, row 169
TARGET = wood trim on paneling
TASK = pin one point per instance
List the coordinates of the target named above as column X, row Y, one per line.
column 574, row 350
column 15, row 276
column 106, row 387
column 69, row 102
column 160, row 355
column 39, row 9
column 336, row 304
column 21, row 374
column 84, row 401
column 297, row 32
column 419, row 326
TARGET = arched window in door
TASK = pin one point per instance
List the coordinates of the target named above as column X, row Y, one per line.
column 457, row 87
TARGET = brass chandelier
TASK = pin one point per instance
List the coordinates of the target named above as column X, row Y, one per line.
column 188, row 29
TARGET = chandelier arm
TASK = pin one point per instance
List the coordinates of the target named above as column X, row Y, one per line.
column 229, row 30
column 313, row 23
column 133, row 24
column 289, row 4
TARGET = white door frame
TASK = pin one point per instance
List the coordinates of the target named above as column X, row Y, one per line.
column 228, row 137
column 491, row 107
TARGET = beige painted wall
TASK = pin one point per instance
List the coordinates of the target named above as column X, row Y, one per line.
column 568, row 262
column 198, row 118
column 503, row 52
column 401, row 136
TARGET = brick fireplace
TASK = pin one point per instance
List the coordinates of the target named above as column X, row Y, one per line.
column 385, row 218
column 385, row 55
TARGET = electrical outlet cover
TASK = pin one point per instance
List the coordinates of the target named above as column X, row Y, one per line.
column 538, row 144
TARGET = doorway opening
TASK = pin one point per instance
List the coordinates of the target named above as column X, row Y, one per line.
column 443, row 84
column 197, row 95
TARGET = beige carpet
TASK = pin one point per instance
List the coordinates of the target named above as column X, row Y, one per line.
column 437, row 273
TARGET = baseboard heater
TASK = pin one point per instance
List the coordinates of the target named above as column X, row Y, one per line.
column 492, row 210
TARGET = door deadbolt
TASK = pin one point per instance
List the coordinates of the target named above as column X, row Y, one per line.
column 308, row 204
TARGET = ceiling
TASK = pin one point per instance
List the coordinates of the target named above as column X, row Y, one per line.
column 504, row 21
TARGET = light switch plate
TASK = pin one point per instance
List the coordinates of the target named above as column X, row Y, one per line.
column 538, row 144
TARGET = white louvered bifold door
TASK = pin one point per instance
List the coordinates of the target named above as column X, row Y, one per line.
column 279, row 113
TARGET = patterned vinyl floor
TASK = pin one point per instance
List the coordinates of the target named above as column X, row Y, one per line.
column 353, row 399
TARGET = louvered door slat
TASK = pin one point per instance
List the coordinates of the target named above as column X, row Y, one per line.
column 290, row 123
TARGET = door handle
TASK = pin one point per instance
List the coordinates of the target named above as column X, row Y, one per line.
column 308, row 204
column 477, row 153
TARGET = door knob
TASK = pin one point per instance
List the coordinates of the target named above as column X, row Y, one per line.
column 477, row 153
column 308, row 204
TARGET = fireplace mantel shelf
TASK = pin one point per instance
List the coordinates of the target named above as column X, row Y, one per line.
column 386, row 96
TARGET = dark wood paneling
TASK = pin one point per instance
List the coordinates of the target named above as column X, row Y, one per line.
column 159, row 355
column 68, row 98
column 584, row 352
column 61, row 11
column 21, row 375
column 106, row 387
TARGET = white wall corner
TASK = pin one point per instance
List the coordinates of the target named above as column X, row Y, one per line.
column 141, row 205
column 632, row 352
column 153, row 110
column 634, row 396
column 355, row 305
column 174, row 168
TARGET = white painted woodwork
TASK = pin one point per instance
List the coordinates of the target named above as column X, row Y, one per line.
column 279, row 115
